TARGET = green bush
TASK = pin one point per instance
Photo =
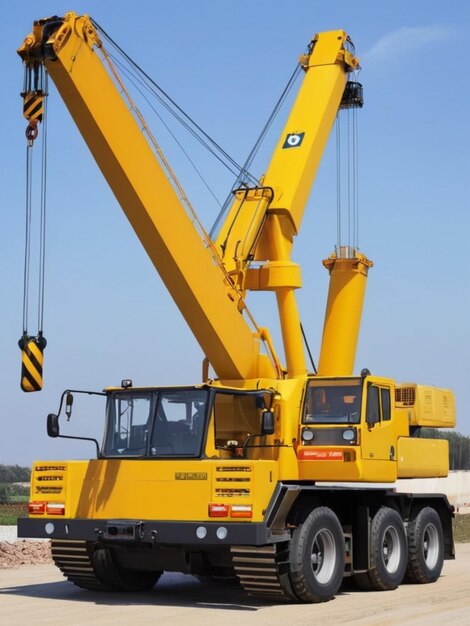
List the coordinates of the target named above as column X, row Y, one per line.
column 4, row 492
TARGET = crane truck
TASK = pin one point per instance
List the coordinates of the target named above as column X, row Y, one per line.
column 265, row 472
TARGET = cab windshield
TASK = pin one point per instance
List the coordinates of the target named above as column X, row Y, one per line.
column 333, row 401
column 155, row 423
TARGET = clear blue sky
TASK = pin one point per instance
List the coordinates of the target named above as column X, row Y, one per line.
column 108, row 316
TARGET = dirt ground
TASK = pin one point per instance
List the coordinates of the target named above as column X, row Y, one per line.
column 24, row 553
column 39, row 595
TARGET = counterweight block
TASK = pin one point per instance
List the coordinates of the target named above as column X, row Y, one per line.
column 32, row 360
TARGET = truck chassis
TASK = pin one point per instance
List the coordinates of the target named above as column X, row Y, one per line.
column 311, row 538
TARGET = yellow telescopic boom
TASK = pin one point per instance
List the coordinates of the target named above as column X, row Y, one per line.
column 72, row 52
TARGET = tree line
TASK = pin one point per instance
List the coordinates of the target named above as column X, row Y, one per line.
column 14, row 474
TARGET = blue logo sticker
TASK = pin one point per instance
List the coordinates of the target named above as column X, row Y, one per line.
column 293, row 140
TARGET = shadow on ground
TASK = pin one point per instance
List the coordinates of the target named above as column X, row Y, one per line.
column 171, row 590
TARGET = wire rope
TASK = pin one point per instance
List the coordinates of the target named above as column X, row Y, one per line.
column 338, row 181
column 189, row 121
column 136, row 81
column 42, row 225
column 27, row 249
column 308, row 349
column 240, row 181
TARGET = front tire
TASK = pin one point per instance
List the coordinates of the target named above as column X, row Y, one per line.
column 425, row 547
column 317, row 557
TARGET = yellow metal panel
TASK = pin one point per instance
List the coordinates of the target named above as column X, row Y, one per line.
column 274, row 275
column 422, row 458
column 241, row 229
column 326, row 47
column 379, row 471
column 360, row 470
column 150, row 489
column 424, row 405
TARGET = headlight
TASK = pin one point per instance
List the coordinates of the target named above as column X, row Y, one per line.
column 307, row 435
column 349, row 434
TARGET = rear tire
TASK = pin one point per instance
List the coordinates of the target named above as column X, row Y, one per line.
column 317, row 557
column 425, row 547
column 388, row 550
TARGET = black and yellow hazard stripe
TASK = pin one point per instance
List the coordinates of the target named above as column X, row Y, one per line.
column 33, row 105
column 32, row 357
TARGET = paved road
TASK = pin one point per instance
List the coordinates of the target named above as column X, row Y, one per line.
column 39, row 595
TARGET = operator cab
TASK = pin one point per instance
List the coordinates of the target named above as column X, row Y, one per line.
column 182, row 422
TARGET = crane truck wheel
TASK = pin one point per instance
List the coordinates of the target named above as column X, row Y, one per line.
column 388, row 550
column 120, row 579
column 425, row 547
column 317, row 557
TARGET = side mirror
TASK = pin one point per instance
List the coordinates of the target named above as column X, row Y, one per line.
column 53, row 425
column 68, row 405
column 267, row 423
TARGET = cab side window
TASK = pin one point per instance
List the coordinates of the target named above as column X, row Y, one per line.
column 385, row 401
column 378, row 404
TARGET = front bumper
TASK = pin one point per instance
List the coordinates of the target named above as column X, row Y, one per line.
column 148, row 531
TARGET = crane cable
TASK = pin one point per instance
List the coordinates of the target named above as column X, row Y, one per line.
column 193, row 128
column 34, row 110
column 242, row 173
column 314, row 367
column 262, row 333
column 241, row 178
column 347, row 213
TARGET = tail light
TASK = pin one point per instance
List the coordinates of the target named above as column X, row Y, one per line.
column 37, row 508
column 218, row 510
column 241, row 510
column 55, row 508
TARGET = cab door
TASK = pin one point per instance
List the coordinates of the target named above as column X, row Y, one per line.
column 379, row 439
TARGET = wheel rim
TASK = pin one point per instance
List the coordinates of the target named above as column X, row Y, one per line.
column 323, row 557
column 430, row 546
column 391, row 549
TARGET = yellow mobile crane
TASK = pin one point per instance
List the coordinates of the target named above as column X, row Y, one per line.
column 228, row 477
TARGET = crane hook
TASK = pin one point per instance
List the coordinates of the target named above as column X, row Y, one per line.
column 32, row 130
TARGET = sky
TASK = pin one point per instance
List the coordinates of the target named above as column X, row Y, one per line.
column 107, row 314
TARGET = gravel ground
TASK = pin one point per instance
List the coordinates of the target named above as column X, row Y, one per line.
column 15, row 552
